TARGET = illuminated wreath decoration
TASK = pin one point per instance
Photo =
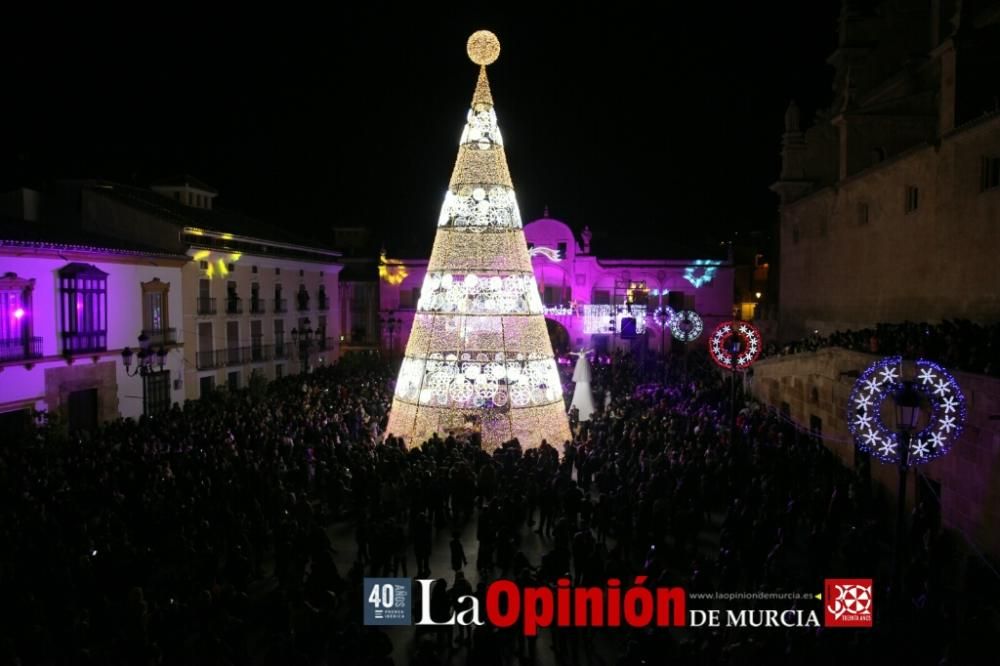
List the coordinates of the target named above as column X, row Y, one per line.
column 663, row 316
column 749, row 338
column 878, row 383
column 689, row 332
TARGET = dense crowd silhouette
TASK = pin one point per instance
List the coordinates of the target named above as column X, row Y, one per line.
column 957, row 344
column 203, row 535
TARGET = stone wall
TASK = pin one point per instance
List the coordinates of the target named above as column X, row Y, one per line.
column 842, row 267
column 816, row 385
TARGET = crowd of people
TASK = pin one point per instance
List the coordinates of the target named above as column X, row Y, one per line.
column 957, row 344
column 203, row 535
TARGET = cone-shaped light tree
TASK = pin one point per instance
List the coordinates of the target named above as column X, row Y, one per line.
column 479, row 357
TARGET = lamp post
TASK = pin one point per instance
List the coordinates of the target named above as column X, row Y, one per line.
column 304, row 341
column 907, row 402
column 150, row 363
column 735, row 347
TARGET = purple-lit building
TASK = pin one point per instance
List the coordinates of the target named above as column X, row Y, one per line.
column 70, row 302
column 86, row 267
column 582, row 290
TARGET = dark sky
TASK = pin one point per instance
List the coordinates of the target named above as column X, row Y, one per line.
column 660, row 126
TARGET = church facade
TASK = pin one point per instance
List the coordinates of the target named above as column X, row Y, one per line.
column 885, row 196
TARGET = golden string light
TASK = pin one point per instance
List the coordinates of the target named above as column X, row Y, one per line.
column 479, row 357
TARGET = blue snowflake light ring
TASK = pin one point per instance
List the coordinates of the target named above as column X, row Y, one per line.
column 663, row 316
column 686, row 325
column 938, row 389
column 749, row 349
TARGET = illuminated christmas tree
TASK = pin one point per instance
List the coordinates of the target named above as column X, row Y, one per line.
column 479, row 357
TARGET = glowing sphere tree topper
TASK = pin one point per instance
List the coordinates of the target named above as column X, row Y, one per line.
column 722, row 338
column 686, row 325
column 478, row 357
column 483, row 47
column 938, row 390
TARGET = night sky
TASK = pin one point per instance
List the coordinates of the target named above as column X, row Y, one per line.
column 667, row 122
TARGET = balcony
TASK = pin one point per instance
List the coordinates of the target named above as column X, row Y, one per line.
column 323, row 303
column 234, row 305
column 206, row 306
column 19, row 349
column 280, row 305
column 161, row 337
column 82, row 343
column 206, row 360
column 236, row 355
column 257, row 306
column 303, row 304
column 281, row 349
column 260, row 353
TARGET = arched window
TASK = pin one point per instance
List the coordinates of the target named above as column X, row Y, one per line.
column 83, row 298
column 16, row 341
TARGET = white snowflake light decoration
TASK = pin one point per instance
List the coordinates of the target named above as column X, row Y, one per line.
column 686, row 326
column 938, row 389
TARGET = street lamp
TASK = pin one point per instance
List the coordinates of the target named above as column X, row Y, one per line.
column 735, row 346
column 907, row 401
column 303, row 340
column 150, row 363
column 391, row 322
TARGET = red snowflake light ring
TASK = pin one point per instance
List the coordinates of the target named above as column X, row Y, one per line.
column 722, row 338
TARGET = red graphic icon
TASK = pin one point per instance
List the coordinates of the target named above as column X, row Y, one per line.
column 847, row 602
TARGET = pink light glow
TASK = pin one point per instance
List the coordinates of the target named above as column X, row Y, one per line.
column 18, row 313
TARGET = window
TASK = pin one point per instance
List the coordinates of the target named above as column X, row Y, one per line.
column 253, row 269
column 83, row 298
column 256, row 341
column 601, row 297
column 862, row 214
column 301, row 273
column 233, row 380
column 206, row 386
column 155, row 319
column 205, row 356
column 16, row 341
column 408, row 298
column 302, row 297
column 553, row 296
column 277, row 271
column 562, row 247
column 990, row 174
column 279, row 370
column 912, row 198
column 203, row 265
